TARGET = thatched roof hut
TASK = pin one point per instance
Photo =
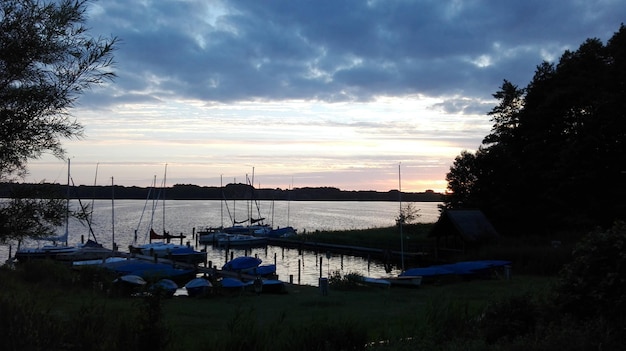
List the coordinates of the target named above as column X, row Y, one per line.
column 458, row 230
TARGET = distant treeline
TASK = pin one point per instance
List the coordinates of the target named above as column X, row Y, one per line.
column 229, row 192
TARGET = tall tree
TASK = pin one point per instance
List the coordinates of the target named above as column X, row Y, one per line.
column 47, row 59
column 462, row 181
column 556, row 154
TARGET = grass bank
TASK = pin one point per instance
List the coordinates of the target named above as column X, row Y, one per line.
column 415, row 237
column 47, row 306
column 62, row 309
column 376, row 314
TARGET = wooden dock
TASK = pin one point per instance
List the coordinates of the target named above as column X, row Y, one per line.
column 344, row 249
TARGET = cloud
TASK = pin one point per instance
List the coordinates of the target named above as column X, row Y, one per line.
column 329, row 93
column 340, row 51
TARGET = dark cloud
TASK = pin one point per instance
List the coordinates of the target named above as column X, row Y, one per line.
column 340, row 50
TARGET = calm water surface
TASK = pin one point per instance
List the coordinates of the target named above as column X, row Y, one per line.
column 181, row 216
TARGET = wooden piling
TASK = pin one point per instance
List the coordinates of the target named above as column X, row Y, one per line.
column 321, row 259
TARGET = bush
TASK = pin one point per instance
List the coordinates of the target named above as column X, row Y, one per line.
column 349, row 281
column 594, row 283
column 509, row 318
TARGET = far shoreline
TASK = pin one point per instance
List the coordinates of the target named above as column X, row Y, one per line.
column 227, row 192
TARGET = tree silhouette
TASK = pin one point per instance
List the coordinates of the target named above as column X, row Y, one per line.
column 555, row 156
column 47, row 59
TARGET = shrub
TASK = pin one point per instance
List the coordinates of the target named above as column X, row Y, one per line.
column 509, row 318
column 594, row 283
column 348, row 281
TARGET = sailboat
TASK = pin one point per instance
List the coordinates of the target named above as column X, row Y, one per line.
column 165, row 249
column 91, row 251
column 59, row 243
column 256, row 227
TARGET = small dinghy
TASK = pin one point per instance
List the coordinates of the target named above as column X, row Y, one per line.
column 242, row 264
column 128, row 285
column 232, row 283
column 164, row 287
column 198, row 287
column 130, row 279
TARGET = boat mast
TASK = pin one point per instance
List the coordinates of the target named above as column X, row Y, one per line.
column 164, row 179
column 154, row 207
column 93, row 198
column 222, row 203
column 67, row 204
column 112, row 215
column 401, row 216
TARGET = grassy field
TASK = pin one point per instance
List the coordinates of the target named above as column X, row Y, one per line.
column 302, row 318
column 392, row 313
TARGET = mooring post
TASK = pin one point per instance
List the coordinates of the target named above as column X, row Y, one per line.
column 323, row 285
column 321, row 259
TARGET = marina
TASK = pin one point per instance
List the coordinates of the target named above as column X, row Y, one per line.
column 302, row 264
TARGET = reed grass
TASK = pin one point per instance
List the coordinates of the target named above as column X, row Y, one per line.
column 381, row 238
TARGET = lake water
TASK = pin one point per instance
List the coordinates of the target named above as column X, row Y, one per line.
column 183, row 216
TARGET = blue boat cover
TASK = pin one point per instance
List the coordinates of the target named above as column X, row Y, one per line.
column 232, row 283
column 146, row 269
column 242, row 263
column 426, row 271
column 459, row 268
column 262, row 270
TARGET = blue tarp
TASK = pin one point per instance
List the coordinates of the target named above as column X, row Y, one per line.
column 242, row 263
column 146, row 269
column 459, row 268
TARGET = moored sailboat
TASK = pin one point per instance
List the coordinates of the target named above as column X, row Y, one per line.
column 59, row 243
column 164, row 248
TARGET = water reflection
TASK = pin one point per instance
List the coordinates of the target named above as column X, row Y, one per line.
column 302, row 266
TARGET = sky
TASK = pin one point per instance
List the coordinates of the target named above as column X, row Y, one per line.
column 358, row 95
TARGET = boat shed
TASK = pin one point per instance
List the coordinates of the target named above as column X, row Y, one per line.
column 456, row 231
